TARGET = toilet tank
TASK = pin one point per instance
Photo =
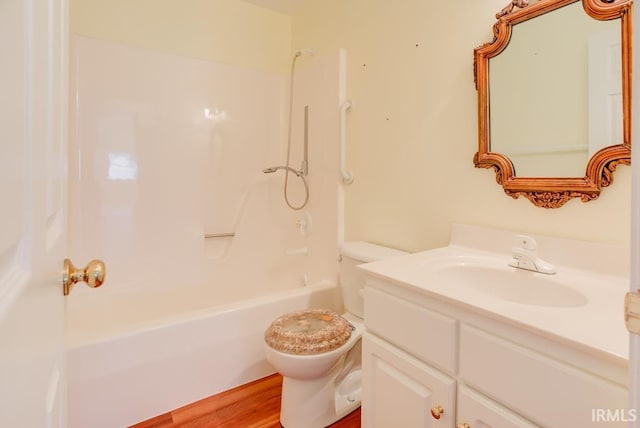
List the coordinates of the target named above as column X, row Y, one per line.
column 352, row 279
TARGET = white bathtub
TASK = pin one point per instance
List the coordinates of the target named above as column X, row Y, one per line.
column 130, row 360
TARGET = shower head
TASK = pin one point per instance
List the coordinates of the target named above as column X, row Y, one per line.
column 270, row 170
column 305, row 51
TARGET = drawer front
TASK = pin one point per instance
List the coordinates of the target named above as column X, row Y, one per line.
column 546, row 391
column 400, row 391
column 477, row 410
column 428, row 335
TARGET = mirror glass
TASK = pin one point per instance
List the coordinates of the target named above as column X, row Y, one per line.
column 556, row 93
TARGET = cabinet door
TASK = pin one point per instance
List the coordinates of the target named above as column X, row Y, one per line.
column 548, row 392
column 401, row 391
column 477, row 411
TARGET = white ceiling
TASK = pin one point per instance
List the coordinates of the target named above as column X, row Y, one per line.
column 289, row 7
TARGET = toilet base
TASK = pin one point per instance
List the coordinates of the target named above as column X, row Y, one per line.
column 318, row 403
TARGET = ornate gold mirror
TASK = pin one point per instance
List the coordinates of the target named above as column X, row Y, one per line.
column 554, row 98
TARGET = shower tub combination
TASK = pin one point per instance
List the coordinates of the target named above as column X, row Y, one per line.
column 201, row 250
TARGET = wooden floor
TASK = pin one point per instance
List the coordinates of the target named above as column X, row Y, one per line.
column 254, row 405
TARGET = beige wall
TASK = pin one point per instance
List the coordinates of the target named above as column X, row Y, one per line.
column 412, row 132
column 228, row 31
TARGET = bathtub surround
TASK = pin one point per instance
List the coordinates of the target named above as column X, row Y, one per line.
column 170, row 149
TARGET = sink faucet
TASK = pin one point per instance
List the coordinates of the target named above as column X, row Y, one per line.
column 524, row 256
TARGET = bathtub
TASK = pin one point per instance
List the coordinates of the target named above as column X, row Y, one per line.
column 131, row 358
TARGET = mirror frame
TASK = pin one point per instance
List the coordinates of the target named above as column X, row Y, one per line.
column 553, row 192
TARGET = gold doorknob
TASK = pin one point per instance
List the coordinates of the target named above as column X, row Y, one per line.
column 464, row 425
column 93, row 274
column 437, row 411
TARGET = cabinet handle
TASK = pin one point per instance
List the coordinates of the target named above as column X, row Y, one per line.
column 463, row 425
column 437, row 411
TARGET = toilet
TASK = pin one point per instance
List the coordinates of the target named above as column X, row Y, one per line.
column 318, row 352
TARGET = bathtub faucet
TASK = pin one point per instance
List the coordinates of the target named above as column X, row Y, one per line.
column 524, row 256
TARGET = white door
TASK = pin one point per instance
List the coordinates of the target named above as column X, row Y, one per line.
column 32, row 212
column 634, row 339
column 605, row 89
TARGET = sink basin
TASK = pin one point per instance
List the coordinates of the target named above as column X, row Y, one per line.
column 503, row 282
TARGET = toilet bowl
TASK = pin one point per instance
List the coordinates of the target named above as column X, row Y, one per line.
column 319, row 352
column 318, row 389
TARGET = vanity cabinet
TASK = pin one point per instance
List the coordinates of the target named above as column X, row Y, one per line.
column 400, row 390
column 431, row 363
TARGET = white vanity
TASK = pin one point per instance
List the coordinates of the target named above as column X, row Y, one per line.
column 458, row 338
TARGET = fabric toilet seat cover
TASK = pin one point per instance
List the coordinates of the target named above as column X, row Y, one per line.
column 308, row 332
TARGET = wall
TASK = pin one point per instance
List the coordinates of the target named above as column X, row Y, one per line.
column 413, row 131
column 229, row 31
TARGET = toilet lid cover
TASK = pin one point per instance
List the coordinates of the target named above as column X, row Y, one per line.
column 307, row 332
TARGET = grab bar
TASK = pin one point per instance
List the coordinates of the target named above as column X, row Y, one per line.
column 305, row 163
column 347, row 177
column 219, row 235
